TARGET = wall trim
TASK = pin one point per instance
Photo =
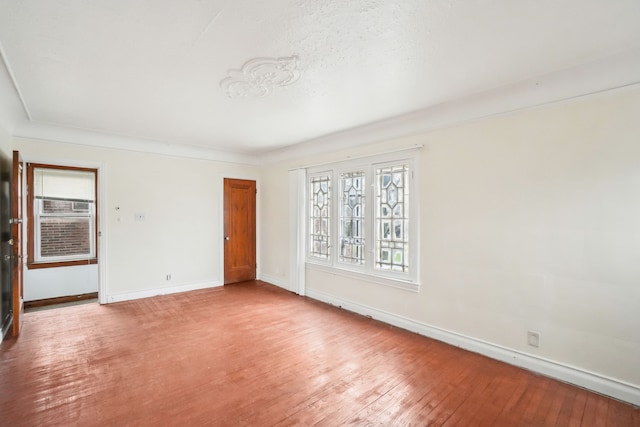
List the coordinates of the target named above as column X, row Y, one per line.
column 35, row 131
column 148, row 293
column 598, row 383
column 13, row 82
column 617, row 72
column 614, row 72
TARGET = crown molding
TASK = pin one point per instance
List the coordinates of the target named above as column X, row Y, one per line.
column 611, row 73
column 12, row 108
column 16, row 120
column 35, row 131
column 615, row 72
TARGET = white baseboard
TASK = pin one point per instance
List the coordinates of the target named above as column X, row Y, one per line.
column 127, row 296
column 284, row 284
column 600, row 384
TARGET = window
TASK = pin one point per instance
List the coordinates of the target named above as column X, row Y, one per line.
column 352, row 217
column 371, row 213
column 392, row 217
column 62, row 216
column 320, row 206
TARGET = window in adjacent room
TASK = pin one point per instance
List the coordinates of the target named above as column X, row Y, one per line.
column 62, row 216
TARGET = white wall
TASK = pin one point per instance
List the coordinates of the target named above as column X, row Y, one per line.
column 43, row 283
column 275, row 228
column 5, row 138
column 181, row 199
column 529, row 221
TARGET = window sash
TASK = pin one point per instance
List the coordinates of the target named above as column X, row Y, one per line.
column 40, row 219
column 320, row 216
column 352, row 218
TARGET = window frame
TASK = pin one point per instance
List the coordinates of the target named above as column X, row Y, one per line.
column 410, row 214
column 33, row 234
column 368, row 271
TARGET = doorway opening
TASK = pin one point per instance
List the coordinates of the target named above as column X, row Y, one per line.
column 62, row 236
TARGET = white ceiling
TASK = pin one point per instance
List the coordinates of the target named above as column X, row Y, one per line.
column 153, row 69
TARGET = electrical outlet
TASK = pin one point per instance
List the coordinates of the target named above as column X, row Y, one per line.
column 168, row 277
column 533, row 338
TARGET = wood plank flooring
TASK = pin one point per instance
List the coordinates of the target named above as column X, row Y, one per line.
column 253, row 354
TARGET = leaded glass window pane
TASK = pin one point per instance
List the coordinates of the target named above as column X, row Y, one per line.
column 392, row 218
column 352, row 205
column 319, row 219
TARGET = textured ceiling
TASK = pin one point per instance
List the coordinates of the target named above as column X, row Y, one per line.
column 156, row 69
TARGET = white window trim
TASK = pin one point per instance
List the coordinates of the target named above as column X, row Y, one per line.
column 367, row 272
column 366, row 277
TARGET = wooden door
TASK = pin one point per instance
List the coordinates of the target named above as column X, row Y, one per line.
column 16, row 241
column 239, row 230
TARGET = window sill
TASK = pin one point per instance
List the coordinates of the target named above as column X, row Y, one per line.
column 371, row 278
column 36, row 265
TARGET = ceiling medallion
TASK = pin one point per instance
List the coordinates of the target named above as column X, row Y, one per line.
column 260, row 76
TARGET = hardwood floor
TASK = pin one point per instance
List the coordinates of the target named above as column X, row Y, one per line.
column 253, row 354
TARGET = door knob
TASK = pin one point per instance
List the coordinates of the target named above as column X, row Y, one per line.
column 226, row 238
